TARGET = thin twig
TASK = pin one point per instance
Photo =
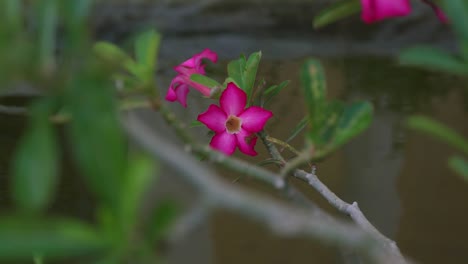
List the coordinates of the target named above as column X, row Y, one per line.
column 282, row 219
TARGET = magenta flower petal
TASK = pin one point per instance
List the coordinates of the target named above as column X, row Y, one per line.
column 375, row 10
column 214, row 118
column 178, row 91
column 233, row 100
column 196, row 61
column 224, row 142
column 254, row 118
column 246, row 142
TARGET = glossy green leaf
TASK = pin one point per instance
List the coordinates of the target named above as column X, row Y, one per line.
column 139, row 176
column 96, row 135
column 438, row 130
column 23, row 238
column 434, row 59
column 457, row 12
column 235, row 70
column 355, row 119
column 35, row 165
column 460, row 166
column 250, row 73
column 204, row 80
column 146, row 49
column 337, row 11
column 314, row 87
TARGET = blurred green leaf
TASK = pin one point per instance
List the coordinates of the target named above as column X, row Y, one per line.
column 196, row 123
column 75, row 35
column 10, row 11
column 95, row 133
column 332, row 113
column 146, row 49
column 337, row 11
column 48, row 18
column 272, row 91
column 355, row 119
column 137, row 179
column 433, row 58
column 161, row 220
column 314, row 86
column 35, row 162
column 204, row 80
column 457, row 11
column 298, row 128
column 459, row 165
column 22, row 238
column 111, row 53
column 438, row 130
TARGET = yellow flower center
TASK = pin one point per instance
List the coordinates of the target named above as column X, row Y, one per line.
column 233, row 124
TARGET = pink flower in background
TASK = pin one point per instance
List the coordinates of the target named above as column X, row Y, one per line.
column 376, row 10
column 233, row 125
column 179, row 86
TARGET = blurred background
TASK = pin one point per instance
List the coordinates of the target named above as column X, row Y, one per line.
column 399, row 177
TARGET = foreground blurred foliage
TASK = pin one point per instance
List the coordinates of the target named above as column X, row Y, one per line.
column 77, row 87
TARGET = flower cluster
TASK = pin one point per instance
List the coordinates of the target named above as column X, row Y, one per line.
column 376, row 10
column 234, row 124
column 179, row 86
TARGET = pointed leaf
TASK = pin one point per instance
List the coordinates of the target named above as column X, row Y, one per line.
column 272, row 91
column 355, row 119
column 35, row 162
column 111, row 53
column 457, row 11
column 95, row 134
column 235, row 71
column 138, row 177
column 438, row 130
column 460, row 166
column 433, row 58
column 22, row 238
column 204, row 80
column 314, row 87
column 337, row 11
column 146, row 48
column 250, row 73
column 298, row 128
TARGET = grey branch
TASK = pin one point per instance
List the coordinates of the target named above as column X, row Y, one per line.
column 282, row 219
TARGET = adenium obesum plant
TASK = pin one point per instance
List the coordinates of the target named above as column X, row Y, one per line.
column 234, row 126
column 179, row 86
column 376, row 10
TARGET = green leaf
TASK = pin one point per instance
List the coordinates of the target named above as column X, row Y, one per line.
column 355, row 119
column 35, row 162
column 11, row 13
column 137, row 179
column 459, row 165
column 48, row 18
column 111, row 53
column 331, row 116
column 196, row 123
column 434, row 59
column 146, row 49
column 439, row 131
column 272, row 91
column 250, row 73
column 235, row 70
column 23, row 238
column 161, row 220
column 298, row 128
column 204, row 80
column 457, row 11
column 95, row 133
column 337, row 11
column 314, row 87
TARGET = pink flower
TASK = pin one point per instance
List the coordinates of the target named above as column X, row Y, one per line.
column 233, row 125
column 376, row 10
column 179, row 86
